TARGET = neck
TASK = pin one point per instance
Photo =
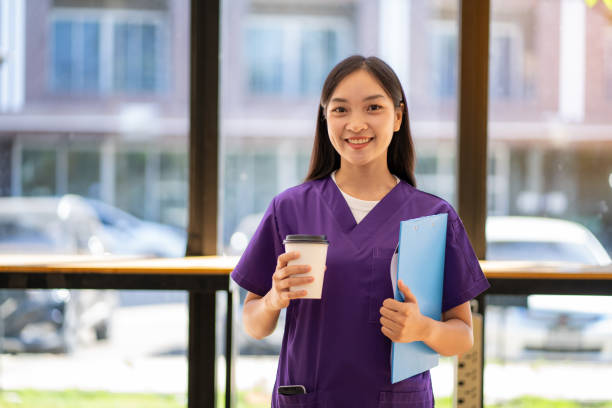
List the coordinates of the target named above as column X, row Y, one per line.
column 370, row 182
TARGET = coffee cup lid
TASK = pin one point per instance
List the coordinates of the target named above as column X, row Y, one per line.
column 306, row 239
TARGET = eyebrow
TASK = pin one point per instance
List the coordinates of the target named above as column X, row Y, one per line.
column 365, row 99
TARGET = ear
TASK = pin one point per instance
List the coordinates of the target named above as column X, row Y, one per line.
column 399, row 114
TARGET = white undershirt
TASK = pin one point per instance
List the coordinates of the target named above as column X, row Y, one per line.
column 359, row 208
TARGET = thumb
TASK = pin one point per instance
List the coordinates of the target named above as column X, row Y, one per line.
column 408, row 295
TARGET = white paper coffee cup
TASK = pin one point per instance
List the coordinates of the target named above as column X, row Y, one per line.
column 313, row 252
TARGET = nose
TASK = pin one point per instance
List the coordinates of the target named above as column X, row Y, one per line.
column 356, row 124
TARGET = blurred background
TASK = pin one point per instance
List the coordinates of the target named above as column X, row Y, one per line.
column 94, row 104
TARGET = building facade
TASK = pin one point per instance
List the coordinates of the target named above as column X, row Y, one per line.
column 94, row 100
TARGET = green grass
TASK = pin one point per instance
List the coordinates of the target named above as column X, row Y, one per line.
column 246, row 399
column 444, row 402
column 536, row 402
column 90, row 399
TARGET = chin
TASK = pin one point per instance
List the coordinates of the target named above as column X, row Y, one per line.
column 357, row 162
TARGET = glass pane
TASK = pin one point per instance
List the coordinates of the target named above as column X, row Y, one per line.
column 93, row 160
column 84, row 173
column 264, row 60
column 549, row 189
column 275, row 58
column 38, row 172
column 63, row 65
column 130, row 181
column 91, row 55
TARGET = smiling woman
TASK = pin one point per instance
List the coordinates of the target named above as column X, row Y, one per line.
column 363, row 128
column 272, row 76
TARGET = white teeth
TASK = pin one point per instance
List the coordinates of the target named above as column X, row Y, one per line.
column 359, row 141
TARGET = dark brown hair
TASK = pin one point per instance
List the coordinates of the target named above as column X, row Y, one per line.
column 400, row 154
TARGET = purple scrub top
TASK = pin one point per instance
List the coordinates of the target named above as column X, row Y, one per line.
column 334, row 346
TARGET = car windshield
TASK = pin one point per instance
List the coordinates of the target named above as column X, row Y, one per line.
column 112, row 217
column 540, row 251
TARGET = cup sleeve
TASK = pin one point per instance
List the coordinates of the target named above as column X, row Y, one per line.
column 463, row 277
column 258, row 262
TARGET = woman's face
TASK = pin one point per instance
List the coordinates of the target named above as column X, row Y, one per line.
column 361, row 119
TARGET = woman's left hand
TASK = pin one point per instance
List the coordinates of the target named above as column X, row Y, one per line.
column 403, row 322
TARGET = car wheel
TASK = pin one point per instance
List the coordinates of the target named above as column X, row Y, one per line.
column 102, row 330
column 68, row 331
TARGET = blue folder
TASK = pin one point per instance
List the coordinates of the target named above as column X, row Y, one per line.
column 420, row 265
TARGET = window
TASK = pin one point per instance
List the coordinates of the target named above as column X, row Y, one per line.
column 290, row 56
column 93, row 160
column 130, row 181
column 504, row 62
column 443, row 59
column 136, row 63
column 98, row 51
column 84, row 172
column 76, row 56
column 271, row 79
column 505, row 68
column 252, row 181
column 550, row 160
column 38, row 172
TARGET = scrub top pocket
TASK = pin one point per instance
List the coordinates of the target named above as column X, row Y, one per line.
column 308, row 400
column 380, row 281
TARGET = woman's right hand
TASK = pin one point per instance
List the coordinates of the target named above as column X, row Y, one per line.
column 280, row 295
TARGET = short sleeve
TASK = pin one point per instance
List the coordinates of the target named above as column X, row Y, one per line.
column 258, row 262
column 463, row 277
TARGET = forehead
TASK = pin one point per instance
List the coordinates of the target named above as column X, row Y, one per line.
column 358, row 85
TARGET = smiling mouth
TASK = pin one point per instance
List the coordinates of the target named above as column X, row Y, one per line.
column 360, row 140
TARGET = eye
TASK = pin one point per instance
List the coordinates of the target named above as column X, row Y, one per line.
column 374, row 107
column 339, row 109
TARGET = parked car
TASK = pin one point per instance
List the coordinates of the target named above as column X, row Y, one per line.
column 546, row 325
column 517, row 326
column 57, row 320
column 73, row 224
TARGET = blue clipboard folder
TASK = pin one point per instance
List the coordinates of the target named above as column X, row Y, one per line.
column 420, row 265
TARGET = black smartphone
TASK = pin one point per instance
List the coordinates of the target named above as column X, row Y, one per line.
column 291, row 389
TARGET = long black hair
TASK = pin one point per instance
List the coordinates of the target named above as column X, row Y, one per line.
column 400, row 154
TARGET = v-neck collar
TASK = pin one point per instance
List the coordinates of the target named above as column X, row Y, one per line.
column 361, row 232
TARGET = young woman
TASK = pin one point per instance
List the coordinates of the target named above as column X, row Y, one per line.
column 360, row 186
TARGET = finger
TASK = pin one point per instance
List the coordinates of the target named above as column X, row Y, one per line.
column 295, row 269
column 286, row 257
column 291, row 270
column 289, row 282
column 393, row 304
column 294, row 295
column 392, row 315
column 390, row 324
column 408, row 295
column 388, row 332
